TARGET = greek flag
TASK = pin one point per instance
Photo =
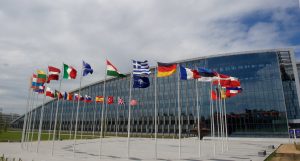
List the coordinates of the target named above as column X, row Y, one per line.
column 140, row 68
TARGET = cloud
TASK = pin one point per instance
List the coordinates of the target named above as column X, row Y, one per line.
column 34, row 34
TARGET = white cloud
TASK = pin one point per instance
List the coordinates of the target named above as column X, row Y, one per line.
column 34, row 34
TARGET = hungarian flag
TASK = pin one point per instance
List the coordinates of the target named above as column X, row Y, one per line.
column 133, row 102
column 99, row 99
column 110, row 99
column 69, row 72
column 53, row 73
column 57, row 94
column 186, row 73
column 34, row 83
column 165, row 69
column 41, row 76
column 111, row 70
column 120, row 101
column 49, row 92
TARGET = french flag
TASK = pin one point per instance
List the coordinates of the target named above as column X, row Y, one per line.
column 186, row 73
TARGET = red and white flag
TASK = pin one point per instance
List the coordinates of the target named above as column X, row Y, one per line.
column 110, row 99
column 49, row 92
column 120, row 101
column 53, row 73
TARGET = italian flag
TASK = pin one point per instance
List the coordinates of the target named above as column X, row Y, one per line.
column 111, row 70
column 69, row 72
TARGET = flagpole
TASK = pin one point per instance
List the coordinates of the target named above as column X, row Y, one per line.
column 117, row 120
column 29, row 120
column 198, row 118
column 33, row 126
column 155, row 110
column 61, row 118
column 95, row 111
column 56, row 113
column 129, row 115
column 179, row 112
column 102, row 110
column 226, row 132
column 72, row 117
column 78, row 102
column 83, row 116
column 50, row 123
column 41, row 122
column 25, row 117
column 213, row 122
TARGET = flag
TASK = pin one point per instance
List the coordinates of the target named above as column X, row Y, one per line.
column 99, row 99
column 120, row 101
column 110, row 99
column 133, row 102
column 213, row 95
column 68, row 96
column 165, row 69
column 207, row 75
column 53, row 73
column 40, row 89
column 140, row 82
column 41, row 76
column 86, row 69
column 69, row 72
column 141, row 68
column 87, row 99
column 34, row 83
column 49, row 92
column 76, row 97
column 57, row 94
column 186, row 73
column 111, row 70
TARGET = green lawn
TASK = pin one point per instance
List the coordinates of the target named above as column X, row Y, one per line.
column 15, row 136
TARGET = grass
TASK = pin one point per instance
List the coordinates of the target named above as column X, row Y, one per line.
column 16, row 135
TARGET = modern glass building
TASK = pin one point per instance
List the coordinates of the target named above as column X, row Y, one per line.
column 268, row 105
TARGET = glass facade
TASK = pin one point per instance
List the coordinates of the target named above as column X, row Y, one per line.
column 269, row 98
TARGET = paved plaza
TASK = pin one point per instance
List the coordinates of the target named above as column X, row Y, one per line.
column 142, row 149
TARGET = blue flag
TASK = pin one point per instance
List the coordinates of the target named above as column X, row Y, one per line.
column 86, row 69
column 140, row 82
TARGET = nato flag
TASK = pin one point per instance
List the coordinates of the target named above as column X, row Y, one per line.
column 86, row 69
column 140, row 82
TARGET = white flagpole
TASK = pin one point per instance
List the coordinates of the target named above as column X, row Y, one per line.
column 50, row 123
column 198, row 118
column 226, row 131
column 117, row 118
column 72, row 117
column 76, row 123
column 56, row 113
column 83, row 117
column 33, row 126
column 213, row 122
column 41, row 121
column 61, row 117
column 103, row 108
column 155, row 110
column 29, row 120
column 26, row 116
column 129, row 117
column 94, row 122
column 179, row 113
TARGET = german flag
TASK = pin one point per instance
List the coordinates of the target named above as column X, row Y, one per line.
column 165, row 69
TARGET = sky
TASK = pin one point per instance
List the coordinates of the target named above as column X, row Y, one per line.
column 35, row 34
